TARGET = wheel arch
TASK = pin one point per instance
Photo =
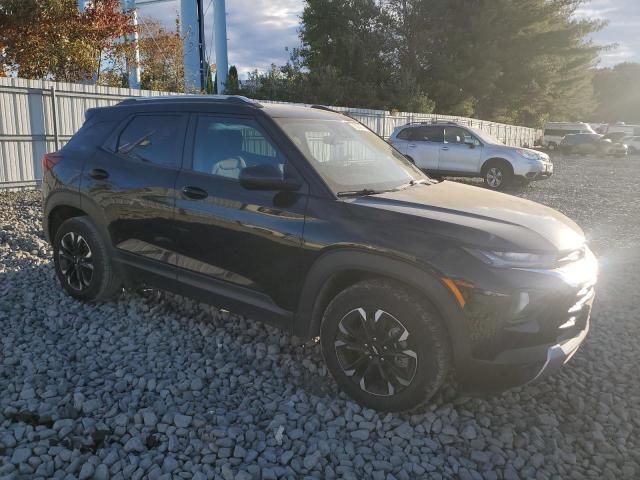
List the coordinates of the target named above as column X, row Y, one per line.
column 492, row 160
column 61, row 206
column 338, row 269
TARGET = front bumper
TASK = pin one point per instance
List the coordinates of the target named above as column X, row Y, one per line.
column 538, row 172
column 526, row 333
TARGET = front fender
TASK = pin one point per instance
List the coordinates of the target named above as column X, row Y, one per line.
column 331, row 264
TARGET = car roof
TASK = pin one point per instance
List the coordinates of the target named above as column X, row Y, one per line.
column 275, row 110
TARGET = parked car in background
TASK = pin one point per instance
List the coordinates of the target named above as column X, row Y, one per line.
column 622, row 127
column 591, row 143
column 451, row 149
column 615, row 137
column 304, row 218
column 632, row 143
column 554, row 132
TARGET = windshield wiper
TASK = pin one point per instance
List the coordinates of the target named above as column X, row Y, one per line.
column 360, row 193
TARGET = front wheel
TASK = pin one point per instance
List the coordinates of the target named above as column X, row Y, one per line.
column 497, row 175
column 82, row 261
column 385, row 345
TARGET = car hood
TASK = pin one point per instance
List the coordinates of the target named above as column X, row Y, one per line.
column 487, row 219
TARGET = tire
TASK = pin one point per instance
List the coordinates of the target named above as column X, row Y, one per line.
column 497, row 175
column 416, row 366
column 82, row 261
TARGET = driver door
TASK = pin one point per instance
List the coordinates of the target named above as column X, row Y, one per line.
column 243, row 242
column 461, row 151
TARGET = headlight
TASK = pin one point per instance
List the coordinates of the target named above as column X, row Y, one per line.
column 527, row 154
column 514, row 259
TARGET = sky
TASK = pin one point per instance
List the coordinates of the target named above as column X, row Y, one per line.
column 623, row 29
column 259, row 30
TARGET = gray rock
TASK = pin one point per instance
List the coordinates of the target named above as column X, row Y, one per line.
column 311, row 460
column 101, row 472
column 134, row 445
column 86, row 471
column 150, row 419
column 20, row 455
column 181, row 421
column 361, row 435
column 169, row 464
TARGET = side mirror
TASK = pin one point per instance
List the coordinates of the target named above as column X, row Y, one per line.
column 267, row 177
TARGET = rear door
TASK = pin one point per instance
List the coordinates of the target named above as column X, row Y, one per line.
column 402, row 139
column 243, row 243
column 458, row 156
column 132, row 181
column 424, row 146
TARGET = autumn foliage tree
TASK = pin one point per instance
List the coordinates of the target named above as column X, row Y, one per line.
column 51, row 39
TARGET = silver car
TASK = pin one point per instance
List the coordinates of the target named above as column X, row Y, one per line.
column 450, row 149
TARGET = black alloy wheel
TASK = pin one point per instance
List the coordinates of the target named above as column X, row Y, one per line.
column 385, row 345
column 76, row 261
column 375, row 351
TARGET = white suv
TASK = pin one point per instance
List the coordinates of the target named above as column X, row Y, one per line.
column 450, row 149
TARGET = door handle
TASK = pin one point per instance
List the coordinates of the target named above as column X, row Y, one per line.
column 194, row 192
column 99, row 174
column 412, row 145
column 445, row 148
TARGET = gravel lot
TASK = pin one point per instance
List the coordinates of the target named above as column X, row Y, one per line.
column 155, row 386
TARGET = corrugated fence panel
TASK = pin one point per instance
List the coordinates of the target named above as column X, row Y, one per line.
column 27, row 119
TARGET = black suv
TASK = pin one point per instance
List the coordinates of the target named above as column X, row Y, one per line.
column 304, row 218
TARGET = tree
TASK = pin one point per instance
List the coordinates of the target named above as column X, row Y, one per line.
column 51, row 39
column 507, row 60
column 232, row 87
column 617, row 92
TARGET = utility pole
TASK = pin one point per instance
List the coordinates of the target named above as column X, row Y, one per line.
column 190, row 31
column 220, row 33
column 133, row 67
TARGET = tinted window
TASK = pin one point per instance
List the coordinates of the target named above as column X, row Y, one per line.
column 152, row 138
column 422, row 134
column 405, row 134
column 457, row 135
column 90, row 135
column 223, row 147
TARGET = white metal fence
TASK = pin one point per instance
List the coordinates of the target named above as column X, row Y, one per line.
column 39, row 116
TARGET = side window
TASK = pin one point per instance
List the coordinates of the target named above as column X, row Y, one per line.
column 429, row 134
column 456, row 135
column 223, row 147
column 151, row 138
column 405, row 134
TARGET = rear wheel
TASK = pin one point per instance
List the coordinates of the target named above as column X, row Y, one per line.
column 385, row 345
column 497, row 175
column 82, row 261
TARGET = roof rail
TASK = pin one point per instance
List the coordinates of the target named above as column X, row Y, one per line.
column 432, row 122
column 327, row 109
column 239, row 99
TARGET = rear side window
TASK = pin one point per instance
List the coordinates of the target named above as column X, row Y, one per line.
column 152, row 138
column 90, row 135
column 405, row 133
column 422, row 134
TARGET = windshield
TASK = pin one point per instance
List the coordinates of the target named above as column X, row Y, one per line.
column 486, row 137
column 348, row 156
